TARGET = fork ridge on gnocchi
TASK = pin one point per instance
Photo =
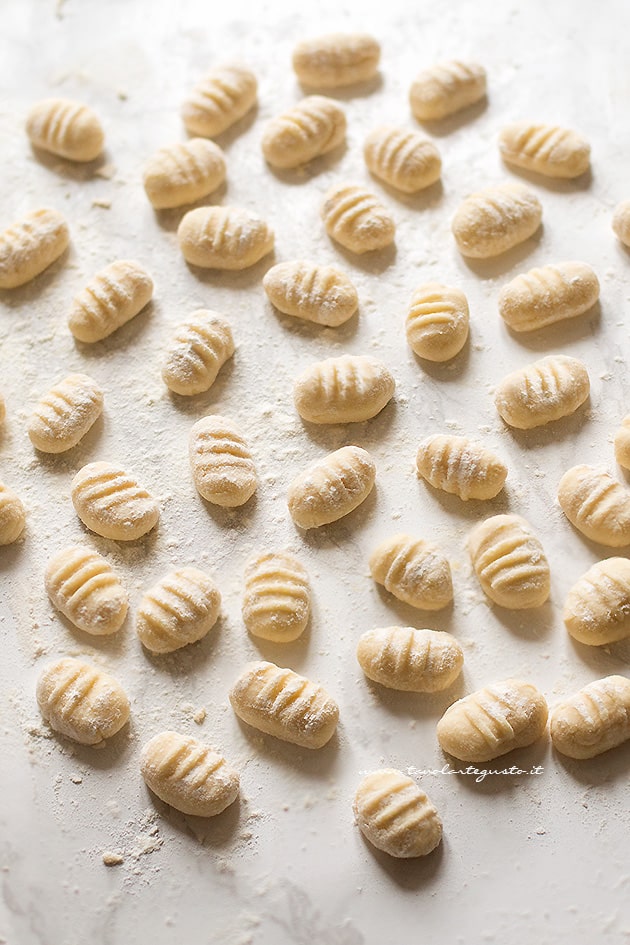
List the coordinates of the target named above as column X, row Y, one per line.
column 66, row 128
column 547, row 295
column 84, row 588
column 395, row 815
column 446, row 88
column 219, row 100
column 113, row 297
column 64, row 415
column 594, row 720
column 197, row 351
column 276, row 602
column 413, row 570
column 355, row 218
column 542, row 392
column 410, row 660
column 224, row 238
column 348, row 389
column 321, row 294
column 180, row 609
column 597, row 607
column 31, row 245
column 182, row 173
column 402, row 158
column 596, row 504
column 313, row 127
column 336, row 59
column 461, row 467
column 510, row 562
column 112, row 503
column 332, row 487
column 494, row 220
column 545, row 149
column 222, row 466
column 437, row 322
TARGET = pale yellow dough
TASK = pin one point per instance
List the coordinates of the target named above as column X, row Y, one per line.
column 597, row 608
column 111, row 503
column 596, row 504
column 509, row 562
column 321, row 294
column 183, row 172
column 12, row 516
column 180, row 609
column 277, row 598
column 315, row 126
column 594, row 720
column 410, row 660
column 66, row 128
column 219, row 100
column 65, row 413
column 395, row 815
column 622, row 443
column 356, row 219
column 348, row 389
column 222, row 466
column 461, row 467
column 113, row 297
column 621, row 222
column 336, row 59
column 542, row 392
column 331, row 487
column 494, row 220
column 84, row 587
column 547, row 295
column 545, row 149
column 30, row 245
column 437, row 322
column 446, row 88
column 224, row 238
column 196, row 353
column 404, row 159
column 414, row 571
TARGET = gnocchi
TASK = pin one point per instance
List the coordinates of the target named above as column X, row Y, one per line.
column 348, row 389
column 460, row 467
column 542, row 392
column 403, row 159
column 111, row 503
column 281, row 703
column 219, row 100
column 84, row 588
column 597, row 608
column 357, row 220
column 315, row 126
column 446, row 88
column 395, row 815
column 545, row 149
column 413, row 570
column 410, row 660
column 336, row 59
column 321, row 294
column 437, row 322
column 65, row 414
column 547, row 295
column 31, row 245
column 621, row 222
column 331, row 487
column 224, row 238
column 596, row 504
column 12, row 516
column 180, row 609
column 3, row 409
column 114, row 296
column 494, row 220
column 197, row 351
column 183, row 173
column 277, row 599
column 65, row 128
column 509, row 562
column 222, row 465
column 594, row 720
column 622, row 443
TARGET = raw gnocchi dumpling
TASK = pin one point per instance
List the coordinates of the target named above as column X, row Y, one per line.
column 348, row 389
column 3, row 409
column 321, row 294
column 594, row 720
column 30, row 245
column 496, row 219
column 356, row 219
column 197, row 351
column 542, row 392
column 224, row 238
column 332, row 487
column 437, row 322
column 549, row 294
column 112, row 503
column 277, row 599
column 395, row 815
column 597, row 608
column 621, row 222
column 219, row 100
column 65, row 414
column 461, row 467
column 403, row 159
column 509, row 562
column 184, row 172
column 281, row 703
column 413, row 570
column 596, row 504
column 81, row 702
column 114, row 296
column 336, row 59
column 410, row 660
column 622, row 443
column 84, row 587
column 222, row 465
column 446, row 88
column 315, row 126
column 545, row 149
column 180, row 609
column 12, row 516
column 66, row 128
column 190, row 776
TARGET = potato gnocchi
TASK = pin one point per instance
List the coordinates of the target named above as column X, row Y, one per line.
column 494, row 220
column 196, row 353
column 222, row 466
column 64, row 415
column 596, row 504
column 184, row 172
column 12, row 516
column 277, row 599
column 219, row 100
column 321, row 294
column 461, row 467
column 622, row 443
column 66, row 128
column 542, row 392
column 594, row 720
column 84, row 588
column 403, row 159
column 410, row 660
column 180, row 609
column 446, row 88
column 545, row 149
column 357, row 220
column 547, row 295
column 315, row 126
column 621, row 222
column 413, row 570
column 111, row 503
column 336, row 59
column 331, row 487
column 114, row 296
column 31, row 245
column 597, row 608
column 437, row 322
column 395, row 815
column 348, row 389
column 224, row 238
column 509, row 562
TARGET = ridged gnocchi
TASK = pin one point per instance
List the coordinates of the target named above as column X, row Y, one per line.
column 219, row 100
column 113, row 297
column 277, row 598
column 545, row 149
column 542, row 392
column 597, row 607
column 356, row 219
column 331, row 487
column 321, row 294
column 66, row 128
column 596, row 504
column 84, row 588
column 446, row 88
column 315, row 126
column 12, row 516
column 30, row 245
column 395, row 815
column 348, row 389
column 403, row 159
column 461, row 467
column 224, row 238
column 494, row 220
column 180, row 609
column 64, row 415
column 81, row 702
column 222, row 466
column 111, row 503
column 437, row 322
column 410, row 660
column 594, row 720
column 281, row 703
column 196, row 353
column 621, row 222
column 184, row 172
column 188, row 775
column 622, row 443
column 493, row 721
column 509, row 562
column 547, row 295
column 413, row 570
column 336, row 59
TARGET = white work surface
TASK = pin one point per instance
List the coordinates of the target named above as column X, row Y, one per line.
column 539, row 858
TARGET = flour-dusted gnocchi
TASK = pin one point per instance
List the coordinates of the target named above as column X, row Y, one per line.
column 3, row 409
column 81, row 702
column 545, row 149
column 111, row 503
column 219, row 100
column 12, row 516
column 549, row 294
column 196, row 353
column 84, row 588
column 313, row 127
column 413, row 570
column 594, row 720
column 437, row 322
column 492, row 721
column 277, row 599
column 542, row 392
column 183, row 172
column 331, row 487
column 66, row 128
column 348, row 389
column 621, row 222
column 222, row 466
column 446, row 88
column 596, row 504
column 180, row 609
column 224, row 238
column 188, row 775
column 402, row 158
column 321, row 294
column 64, row 415
column 622, row 443
column 395, row 815
column 410, row 660
column 113, row 297
column 356, row 219
column 496, row 219
column 509, row 562
column 30, row 245
column 461, row 467
column 336, row 59
column 597, row 608
column 281, row 703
